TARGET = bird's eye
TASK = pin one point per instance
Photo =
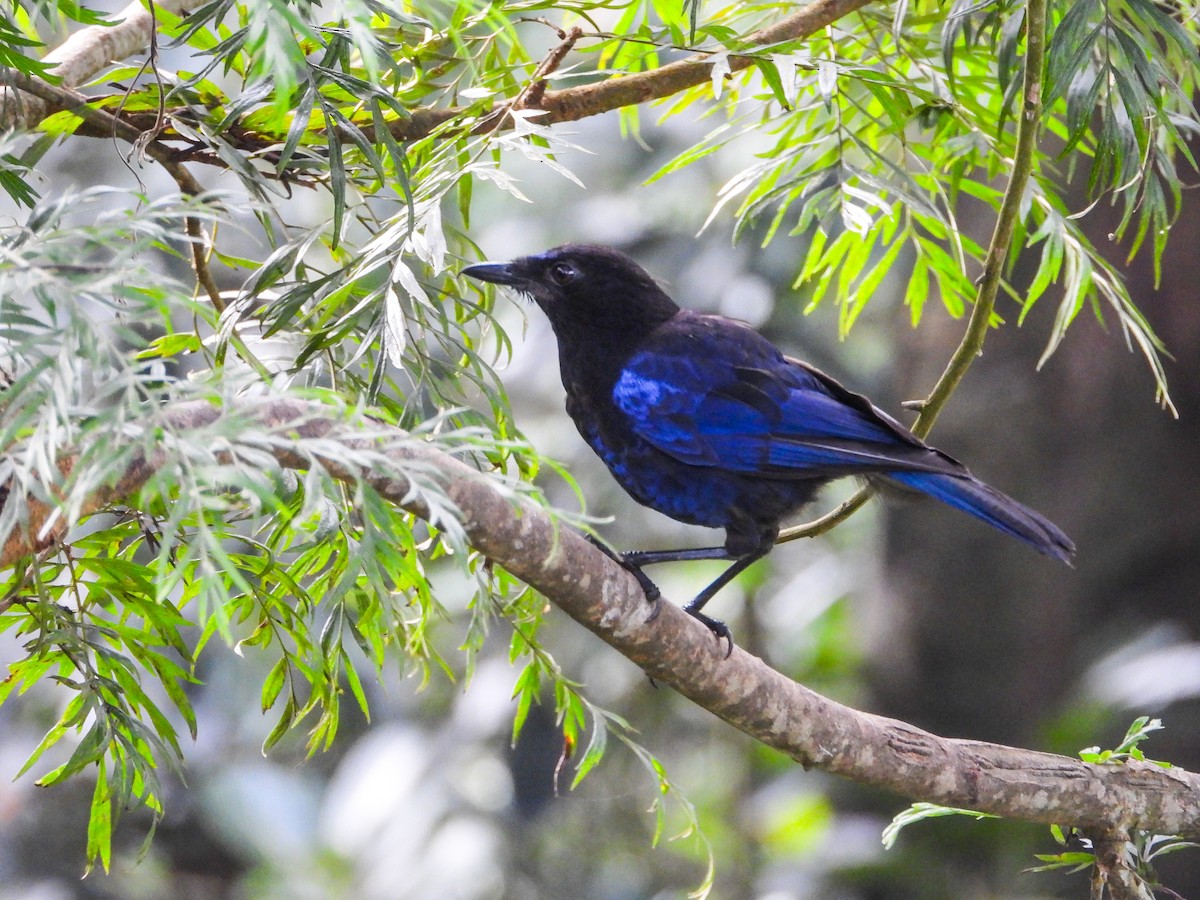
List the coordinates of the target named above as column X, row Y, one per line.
column 563, row 273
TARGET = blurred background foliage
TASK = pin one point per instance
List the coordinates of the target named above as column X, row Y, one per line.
column 859, row 170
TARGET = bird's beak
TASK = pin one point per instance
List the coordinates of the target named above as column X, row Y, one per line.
column 496, row 273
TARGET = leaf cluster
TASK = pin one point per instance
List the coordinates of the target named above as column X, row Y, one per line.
column 316, row 575
column 874, row 142
column 353, row 139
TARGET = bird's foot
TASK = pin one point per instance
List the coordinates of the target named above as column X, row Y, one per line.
column 654, row 596
column 649, row 588
column 719, row 629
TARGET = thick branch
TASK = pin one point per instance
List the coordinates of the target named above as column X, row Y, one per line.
column 1112, row 876
column 665, row 81
column 90, row 49
column 678, row 651
column 87, row 52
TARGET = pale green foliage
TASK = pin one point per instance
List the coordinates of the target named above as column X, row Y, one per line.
column 881, row 130
column 1128, row 749
column 221, row 537
column 872, row 136
column 919, row 812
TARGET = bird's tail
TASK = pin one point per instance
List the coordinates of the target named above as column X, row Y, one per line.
column 972, row 496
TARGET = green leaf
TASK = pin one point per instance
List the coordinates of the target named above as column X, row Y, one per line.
column 91, row 749
column 525, row 691
column 596, row 746
column 273, row 683
column 71, row 716
column 921, row 811
column 287, row 719
column 770, row 73
column 867, row 284
column 100, row 823
column 356, row 686
column 1074, row 860
column 917, row 291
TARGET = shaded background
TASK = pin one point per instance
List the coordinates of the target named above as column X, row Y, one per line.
column 909, row 610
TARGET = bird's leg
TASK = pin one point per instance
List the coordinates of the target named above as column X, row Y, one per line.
column 723, row 579
column 717, row 627
column 635, row 559
column 653, row 557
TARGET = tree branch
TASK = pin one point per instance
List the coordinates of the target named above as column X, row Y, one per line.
column 92, row 48
column 87, row 52
column 677, row 650
column 1112, row 876
column 642, row 87
column 1006, row 222
column 971, row 345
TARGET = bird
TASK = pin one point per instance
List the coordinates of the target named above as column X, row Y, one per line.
column 702, row 418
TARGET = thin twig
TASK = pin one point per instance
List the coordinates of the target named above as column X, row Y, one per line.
column 971, row 345
column 65, row 98
column 200, row 252
column 1028, row 124
column 829, row 520
column 533, row 98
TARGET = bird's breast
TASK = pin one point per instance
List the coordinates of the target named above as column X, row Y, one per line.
column 692, row 494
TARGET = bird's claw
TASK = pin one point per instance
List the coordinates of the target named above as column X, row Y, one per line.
column 719, row 629
column 649, row 588
column 655, row 607
column 654, row 596
column 602, row 547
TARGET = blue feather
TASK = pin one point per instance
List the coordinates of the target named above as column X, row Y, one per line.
column 969, row 494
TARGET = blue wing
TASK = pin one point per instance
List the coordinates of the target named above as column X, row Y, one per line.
column 711, row 393
column 714, row 394
column 740, row 405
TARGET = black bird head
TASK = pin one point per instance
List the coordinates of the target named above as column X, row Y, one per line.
column 585, row 290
